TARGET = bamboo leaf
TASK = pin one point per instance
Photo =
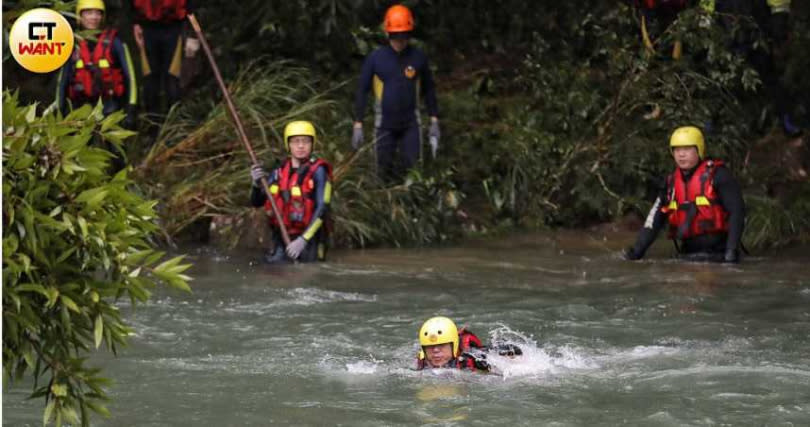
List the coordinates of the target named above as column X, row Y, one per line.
column 69, row 303
column 98, row 330
column 48, row 414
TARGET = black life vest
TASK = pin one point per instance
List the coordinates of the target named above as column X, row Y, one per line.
column 97, row 74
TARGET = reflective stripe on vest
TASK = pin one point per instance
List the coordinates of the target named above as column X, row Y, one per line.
column 94, row 72
column 295, row 202
column 692, row 208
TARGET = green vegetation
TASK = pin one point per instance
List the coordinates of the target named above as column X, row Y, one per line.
column 552, row 115
column 75, row 241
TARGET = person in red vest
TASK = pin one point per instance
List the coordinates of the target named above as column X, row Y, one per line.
column 158, row 29
column 702, row 204
column 302, row 190
column 443, row 345
column 100, row 68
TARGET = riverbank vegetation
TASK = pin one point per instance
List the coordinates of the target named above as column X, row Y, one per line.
column 76, row 240
column 552, row 114
column 553, row 118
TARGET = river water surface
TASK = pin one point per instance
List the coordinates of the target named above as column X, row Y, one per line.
column 605, row 341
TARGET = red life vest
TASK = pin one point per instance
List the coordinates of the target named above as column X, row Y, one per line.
column 670, row 5
column 161, row 10
column 97, row 74
column 693, row 207
column 294, row 194
column 466, row 341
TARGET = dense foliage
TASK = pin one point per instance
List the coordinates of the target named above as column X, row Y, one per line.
column 552, row 116
column 75, row 241
column 552, row 113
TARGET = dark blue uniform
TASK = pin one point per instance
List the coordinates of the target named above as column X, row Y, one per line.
column 398, row 80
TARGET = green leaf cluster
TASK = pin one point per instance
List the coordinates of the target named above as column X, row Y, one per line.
column 586, row 139
column 75, row 241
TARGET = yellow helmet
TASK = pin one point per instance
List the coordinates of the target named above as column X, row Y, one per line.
column 298, row 128
column 89, row 4
column 688, row 136
column 438, row 330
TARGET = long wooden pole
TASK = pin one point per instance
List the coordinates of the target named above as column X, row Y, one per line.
column 238, row 122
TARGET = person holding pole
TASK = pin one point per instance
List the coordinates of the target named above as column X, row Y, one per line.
column 240, row 130
column 302, row 190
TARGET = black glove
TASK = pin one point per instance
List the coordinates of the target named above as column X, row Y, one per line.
column 482, row 365
column 731, row 256
column 630, row 254
column 508, row 350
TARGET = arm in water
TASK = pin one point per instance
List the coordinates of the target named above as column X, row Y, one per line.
column 655, row 221
column 730, row 197
column 477, row 357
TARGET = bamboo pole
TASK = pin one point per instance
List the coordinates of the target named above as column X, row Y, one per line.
column 238, row 123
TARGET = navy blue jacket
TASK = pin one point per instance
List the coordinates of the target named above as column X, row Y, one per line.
column 398, row 79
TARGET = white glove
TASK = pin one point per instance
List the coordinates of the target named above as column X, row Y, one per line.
column 191, row 47
column 433, row 137
column 357, row 137
column 256, row 174
column 295, row 247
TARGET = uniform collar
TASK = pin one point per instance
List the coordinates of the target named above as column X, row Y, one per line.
column 404, row 51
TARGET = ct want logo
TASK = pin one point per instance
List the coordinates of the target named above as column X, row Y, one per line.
column 41, row 40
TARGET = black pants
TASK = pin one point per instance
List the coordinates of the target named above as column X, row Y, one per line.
column 164, row 53
column 709, row 247
column 407, row 142
column 763, row 62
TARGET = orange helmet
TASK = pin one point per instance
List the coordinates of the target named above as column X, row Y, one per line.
column 398, row 19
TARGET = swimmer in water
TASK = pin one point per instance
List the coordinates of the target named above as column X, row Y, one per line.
column 443, row 345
